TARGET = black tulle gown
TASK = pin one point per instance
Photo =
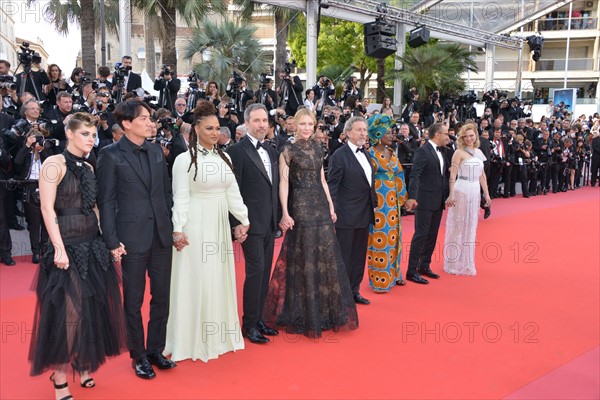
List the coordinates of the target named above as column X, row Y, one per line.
column 79, row 313
column 309, row 291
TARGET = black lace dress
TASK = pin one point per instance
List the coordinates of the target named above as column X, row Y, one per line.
column 309, row 291
column 79, row 313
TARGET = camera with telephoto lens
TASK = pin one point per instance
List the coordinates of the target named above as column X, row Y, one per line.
column 162, row 140
column 7, row 82
column 28, row 56
column 165, row 123
column 237, row 79
column 47, row 124
column 329, row 119
column 80, row 108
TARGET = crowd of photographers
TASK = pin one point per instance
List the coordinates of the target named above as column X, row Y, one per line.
column 554, row 154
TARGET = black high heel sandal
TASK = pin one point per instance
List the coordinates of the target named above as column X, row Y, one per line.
column 88, row 383
column 61, row 386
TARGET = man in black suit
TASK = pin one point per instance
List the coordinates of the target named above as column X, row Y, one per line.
column 351, row 181
column 428, row 191
column 168, row 85
column 289, row 93
column 132, row 80
column 413, row 125
column 502, row 160
column 5, row 198
column 485, row 147
column 256, row 170
column 240, row 95
column 32, row 81
column 134, row 198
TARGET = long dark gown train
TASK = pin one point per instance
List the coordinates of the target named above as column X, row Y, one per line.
column 309, row 291
column 79, row 313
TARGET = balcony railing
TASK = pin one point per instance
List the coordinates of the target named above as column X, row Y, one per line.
column 503, row 65
column 575, row 64
column 562, row 24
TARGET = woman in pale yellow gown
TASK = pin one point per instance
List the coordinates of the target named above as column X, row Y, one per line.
column 203, row 318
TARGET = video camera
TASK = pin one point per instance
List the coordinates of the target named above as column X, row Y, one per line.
column 120, row 72
column 28, row 56
column 287, row 67
column 193, row 79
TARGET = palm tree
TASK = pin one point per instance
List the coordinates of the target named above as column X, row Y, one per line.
column 436, row 66
column 225, row 47
column 86, row 13
column 166, row 12
column 284, row 19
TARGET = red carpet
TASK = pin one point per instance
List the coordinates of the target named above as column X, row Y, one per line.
column 532, row 309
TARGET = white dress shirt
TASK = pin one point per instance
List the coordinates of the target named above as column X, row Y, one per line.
column 264, row 156
column 439, row 155
column 363, row 160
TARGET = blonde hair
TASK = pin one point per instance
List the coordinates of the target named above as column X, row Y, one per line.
column 305, row 111
column 460, row 140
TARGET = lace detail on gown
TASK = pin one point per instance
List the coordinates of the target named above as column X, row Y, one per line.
column 462, row 219
column 309, row 291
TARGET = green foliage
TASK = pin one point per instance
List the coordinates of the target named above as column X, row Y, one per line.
column 341, row 43
column 230, row 46
column 436, row 66
column 61, row 13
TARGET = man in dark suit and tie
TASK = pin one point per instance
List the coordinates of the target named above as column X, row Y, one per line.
column 351, row 181
column 134, row 198
column 428, row 191
column 257, row 173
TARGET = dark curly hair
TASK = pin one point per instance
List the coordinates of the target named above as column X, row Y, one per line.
column 203, row 109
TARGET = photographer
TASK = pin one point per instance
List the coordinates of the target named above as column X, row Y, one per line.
column 323, row 89
column 6, row 199
column 239, row 94
column 543, row 148
column 431, row 108
column 533, row 169
column 582, row 155
column 167, row 136
column 168, row 84
column 226, row 118
column 57, row 84
column 514, row 111
column 290, row 91
column 501, row 164
column 129, row 80
column 412, row 104
column 103, row 113
column 266, row 95
column 58, row 114
column 33, row 77
column 28, row 165
column 103, row 81
column 351, row 88
column 78, row 78
column 8, row 89
column 522, row 159
column 406, row 144
column 557, row 167
column 414, row 126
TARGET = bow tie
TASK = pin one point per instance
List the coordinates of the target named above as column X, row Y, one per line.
column 143, row 147
column 360, row 149
column 259, row 145
column 438, row 148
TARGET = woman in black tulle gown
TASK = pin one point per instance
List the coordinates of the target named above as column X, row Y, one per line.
column 79, row 314
column 309, row 291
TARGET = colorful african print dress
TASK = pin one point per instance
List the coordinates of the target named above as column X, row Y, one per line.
column 385, row 236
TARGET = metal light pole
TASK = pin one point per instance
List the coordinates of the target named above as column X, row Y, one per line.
column 125, row 27
column 102, row 33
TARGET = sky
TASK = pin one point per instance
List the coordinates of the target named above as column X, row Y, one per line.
column 31, row 25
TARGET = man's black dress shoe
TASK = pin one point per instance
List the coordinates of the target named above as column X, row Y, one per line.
column 254, row 336
column 8, row 260
column 143, row 369
column 416, row 278
column 35, row 258
column 487, row 213
column 265, row 330
column 358, row 299
column 428, row 272
column 161, row 361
